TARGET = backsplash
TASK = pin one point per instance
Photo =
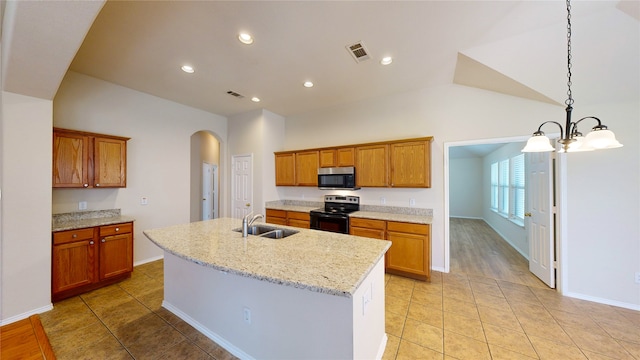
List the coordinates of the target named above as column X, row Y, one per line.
column 372, row 208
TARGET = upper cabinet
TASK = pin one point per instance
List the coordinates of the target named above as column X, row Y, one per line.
column 399, row 163
column 88, row 160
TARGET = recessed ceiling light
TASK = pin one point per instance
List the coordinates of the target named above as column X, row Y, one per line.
column 386, row 60
column 255, row 99
column 245, row 38
column 308, row 84
column 188, row 69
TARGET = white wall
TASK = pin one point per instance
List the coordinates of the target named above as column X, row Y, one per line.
column 158, row 154
column 26, row 212
column 455, row 113
column 514, row 234
column 204, row 148
column 466, row 187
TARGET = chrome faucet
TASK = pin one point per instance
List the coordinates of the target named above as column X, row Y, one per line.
column 246, row 222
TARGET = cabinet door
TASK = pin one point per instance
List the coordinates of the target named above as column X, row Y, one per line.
column 410, row 252
column 116, row 255
column 307, row 168
column 370, row 233
column 346, row 156
column 73, row 265
column 285, row 169
column 110, row 162
column 70, row 160
column 298, row 219
column 410, row 164
column 328, row 158
column 371, row 165
column 278, row 217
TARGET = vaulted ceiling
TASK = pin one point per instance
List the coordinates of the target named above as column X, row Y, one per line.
column 513, row 47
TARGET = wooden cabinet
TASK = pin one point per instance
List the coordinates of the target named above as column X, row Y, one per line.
column 285, row 169
column 372, row 165
column 307, row 168
column 85, row 259
column 409, row 254
column 410, row 251
column 290, row 218
column 298, row 219
column 410, row 164
column 88, row 160
column 276, row 217
column 337, row 157
column 400, row 163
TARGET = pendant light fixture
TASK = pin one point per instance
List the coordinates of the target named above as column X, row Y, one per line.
column 570, row 138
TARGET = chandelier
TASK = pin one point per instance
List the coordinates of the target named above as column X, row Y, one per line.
column 570, row 138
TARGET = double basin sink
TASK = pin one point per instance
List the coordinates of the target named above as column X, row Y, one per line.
column 268, row 231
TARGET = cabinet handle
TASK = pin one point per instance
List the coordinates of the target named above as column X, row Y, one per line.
column 117, row 229
column 104, row 240
column 85, row 185
column 97, row 185
column 74, row 236
column 91, row 242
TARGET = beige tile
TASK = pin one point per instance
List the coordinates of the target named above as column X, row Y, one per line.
column 485, row 288
column 499, row 353
column 103, row 299
column 398, row 305
column 68, row 340
column 549, row 330
column 423, row 334
column 153, row 345
column 432, row 298
column 152, row 300
column 411, row 351
column 482, row 279
column 391, row 350
column 394, row 323
column 399, row 290
column 595, row 356
column 469, row 327
column 464, row 348
column 550, row 350
column 565, row 318
column 213, row 349
column 515, row 341
column 621, row 329
column 106, row 348
column 533, row 312
column 631, row 347
column 124, row 313
column 426, row 314
column 132, row 332
column 467, row 309
column 185, row 329
column 485, row 299
column 503, row 318
column 185, row 350
column 598, row 341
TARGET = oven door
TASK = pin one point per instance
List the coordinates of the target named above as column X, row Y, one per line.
column 338, row 223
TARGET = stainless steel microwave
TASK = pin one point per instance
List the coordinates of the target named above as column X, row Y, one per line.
column 337, row 178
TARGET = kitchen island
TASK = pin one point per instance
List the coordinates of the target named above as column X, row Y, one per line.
column 311, row 295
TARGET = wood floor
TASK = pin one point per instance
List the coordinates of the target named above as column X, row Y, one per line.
column 476, row 249
column 25, row 340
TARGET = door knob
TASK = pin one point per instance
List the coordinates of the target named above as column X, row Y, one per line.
column 527, row 214
column 247, row 204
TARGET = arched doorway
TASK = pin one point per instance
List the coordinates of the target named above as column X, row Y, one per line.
column 204, row 172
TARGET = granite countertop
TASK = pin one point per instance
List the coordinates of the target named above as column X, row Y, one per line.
column 319, row 261
column 86, row 219
column 388, row 213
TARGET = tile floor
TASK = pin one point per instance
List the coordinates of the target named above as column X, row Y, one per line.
column 454, row 317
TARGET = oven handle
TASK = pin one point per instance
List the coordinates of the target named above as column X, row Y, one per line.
column 325, row 216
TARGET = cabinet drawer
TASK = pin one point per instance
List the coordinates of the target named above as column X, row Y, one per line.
column 367, row 223
column 64, row 237
column 370, row 233
column 410, row 228
column 276, row 213
column 116, row 229
column 298, row 215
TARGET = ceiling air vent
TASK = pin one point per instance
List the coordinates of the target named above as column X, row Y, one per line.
column 358, row 51
column 233, row 93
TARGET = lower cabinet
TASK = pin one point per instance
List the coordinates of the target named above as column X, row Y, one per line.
column 89, row 258
column 289, row 218
column 410, row 251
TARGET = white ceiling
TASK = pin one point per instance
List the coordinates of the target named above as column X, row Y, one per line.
column 514, row 47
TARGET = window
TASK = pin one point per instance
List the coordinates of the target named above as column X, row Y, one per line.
column 508, row 188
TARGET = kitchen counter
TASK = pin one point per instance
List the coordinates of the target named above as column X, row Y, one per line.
column 388, row 213
column 313, row 294
column 86, row 219
column 319, row 261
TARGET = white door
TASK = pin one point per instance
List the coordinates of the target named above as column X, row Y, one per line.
column 242, row 185
column 209, row 191
column 541, row 217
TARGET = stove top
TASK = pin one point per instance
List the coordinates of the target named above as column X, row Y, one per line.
column 338, row 204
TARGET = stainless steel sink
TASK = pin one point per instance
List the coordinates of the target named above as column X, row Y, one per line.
column 268, row 231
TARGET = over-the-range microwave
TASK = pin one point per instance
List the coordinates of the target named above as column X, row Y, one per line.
column 337, row 178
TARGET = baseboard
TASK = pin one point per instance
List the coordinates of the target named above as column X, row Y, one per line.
column 603, row 301
column 208, row 333
column 383, row 346
column 141, row 262
column 465, row 217
column 26, row 315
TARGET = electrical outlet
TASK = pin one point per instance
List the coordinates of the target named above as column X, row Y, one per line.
column 383, row 201
column 144, row 201
column 246, row 315
column 412, row 202
column 638, row 277
column 82, row 205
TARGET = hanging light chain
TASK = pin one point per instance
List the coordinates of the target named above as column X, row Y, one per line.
column 569, row 100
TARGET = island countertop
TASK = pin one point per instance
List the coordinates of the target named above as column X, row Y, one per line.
column 319, row 261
